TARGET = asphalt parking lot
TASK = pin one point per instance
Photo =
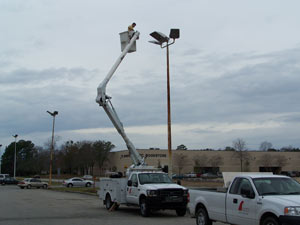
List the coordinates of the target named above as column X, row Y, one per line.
column 46, row 207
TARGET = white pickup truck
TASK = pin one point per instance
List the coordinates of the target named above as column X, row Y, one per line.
column 249, row 200
column 150, row 190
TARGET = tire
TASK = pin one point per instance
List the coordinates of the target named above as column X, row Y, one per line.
column 28, row 186
column 202, row 217
column 108, row 202
column 70, row 185
column 45, row 186
column 88, row 184
column 181, row 212
column 270, row 220
column 144, row 208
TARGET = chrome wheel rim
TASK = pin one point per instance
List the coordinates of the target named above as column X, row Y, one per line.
column 200, row 219
column 270, row 223
column 143, row 208
column 108, row 203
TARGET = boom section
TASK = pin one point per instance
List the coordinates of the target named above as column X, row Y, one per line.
column 105, row 101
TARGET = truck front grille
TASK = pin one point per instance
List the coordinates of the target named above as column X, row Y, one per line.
column 170, row 192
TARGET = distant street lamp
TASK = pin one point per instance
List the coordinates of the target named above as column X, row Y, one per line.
column 163, row 40
column 15, row 160
column 52, row 146
column 0, row 158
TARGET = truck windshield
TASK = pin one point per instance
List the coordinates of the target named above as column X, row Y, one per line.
column 276, row 186
column 150, row 178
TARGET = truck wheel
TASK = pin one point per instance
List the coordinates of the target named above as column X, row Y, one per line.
column 108, row 202
column 144, row 208
column 202, row 217
column 88, row 184
column 270, row 220
column 28, row 186
column 181, row 212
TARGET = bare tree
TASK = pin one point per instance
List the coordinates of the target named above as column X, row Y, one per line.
column 216, row 161
column 48, row 143
column 287, row 148
column 265, row 146
column 240, row 146
column 180, row 161
column 200, row 160
column 266, row 161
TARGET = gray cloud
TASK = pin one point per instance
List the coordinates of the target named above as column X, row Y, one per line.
column 222, row 71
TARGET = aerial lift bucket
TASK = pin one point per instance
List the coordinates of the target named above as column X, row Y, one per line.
column 125, row 39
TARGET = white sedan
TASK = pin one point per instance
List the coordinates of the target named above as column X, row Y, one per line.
column 32, row 182
column 77, row 182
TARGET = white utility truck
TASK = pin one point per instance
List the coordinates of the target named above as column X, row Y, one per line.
column 253, row 199
column 144, row 186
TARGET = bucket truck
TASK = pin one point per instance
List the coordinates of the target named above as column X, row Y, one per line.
column 145, row 186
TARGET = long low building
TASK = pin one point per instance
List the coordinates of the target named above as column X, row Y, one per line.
column 202, row 161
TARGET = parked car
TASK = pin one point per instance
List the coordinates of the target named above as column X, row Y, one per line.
column 177, row 176
column 2, row 176
column 9, row 180
column 209, row 175
column 190, row 175
column 32, row 182
column 77, row 182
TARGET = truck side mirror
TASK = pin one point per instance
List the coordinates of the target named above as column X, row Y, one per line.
column 247, row 193
column 129, row 183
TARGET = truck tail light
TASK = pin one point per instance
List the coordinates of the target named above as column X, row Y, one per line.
column 188, row 197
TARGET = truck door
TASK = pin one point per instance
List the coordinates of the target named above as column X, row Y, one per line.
column 241, row 203
column 132, row 190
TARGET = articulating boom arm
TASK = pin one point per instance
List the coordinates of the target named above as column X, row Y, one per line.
column 104, row 101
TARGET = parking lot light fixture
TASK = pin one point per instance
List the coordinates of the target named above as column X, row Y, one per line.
column 164, row 42
column 52, row 146
column 15, row 158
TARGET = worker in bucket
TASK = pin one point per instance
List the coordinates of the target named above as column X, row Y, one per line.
column 131, row 30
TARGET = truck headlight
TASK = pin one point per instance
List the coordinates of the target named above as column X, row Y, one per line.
column 152, row 193
column 185, row 192
column 292, row 211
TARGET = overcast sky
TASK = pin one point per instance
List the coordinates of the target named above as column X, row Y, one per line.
column 235, row 71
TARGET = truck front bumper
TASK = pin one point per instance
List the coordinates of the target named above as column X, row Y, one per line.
column 289, row 220
column 176, row 202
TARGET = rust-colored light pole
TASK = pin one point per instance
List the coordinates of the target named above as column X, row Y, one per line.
column 52, row 146
column 163, row 41
column 169, row 116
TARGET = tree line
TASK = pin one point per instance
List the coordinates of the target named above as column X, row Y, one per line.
column 239, row 142
column 71, row 157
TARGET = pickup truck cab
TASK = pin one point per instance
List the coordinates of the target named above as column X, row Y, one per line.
column 249, row 200
column 145, row 189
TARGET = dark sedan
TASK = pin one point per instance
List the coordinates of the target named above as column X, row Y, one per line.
column 9, row 180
